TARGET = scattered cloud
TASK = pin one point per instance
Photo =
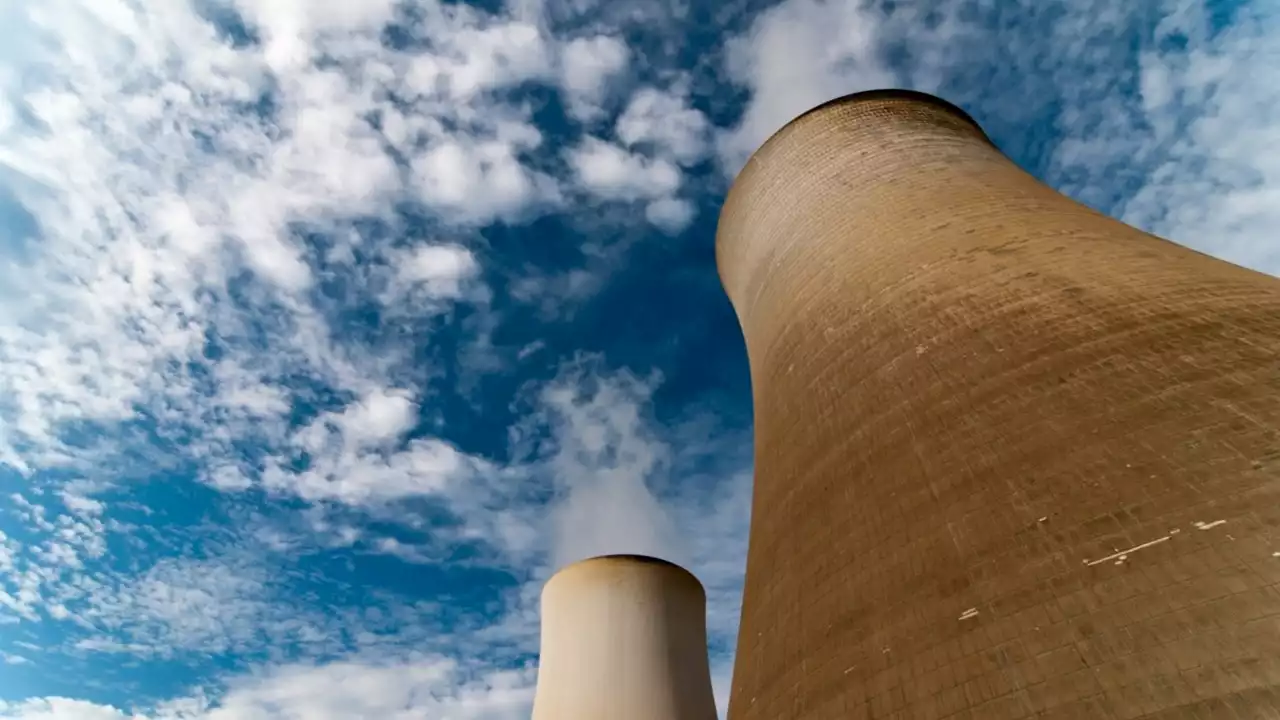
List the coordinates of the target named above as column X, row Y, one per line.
column 478, row 180
column 434, row 272
column 163, row 159
column 178, row 605
column 1210, row 107
column 669, row 214
column 664, row 120
column 614, row 173
column 588, row 66
column 435, row 687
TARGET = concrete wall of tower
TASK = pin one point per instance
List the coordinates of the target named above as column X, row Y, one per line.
column 1012, row 456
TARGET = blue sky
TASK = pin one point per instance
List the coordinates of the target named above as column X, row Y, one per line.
column 329, row 330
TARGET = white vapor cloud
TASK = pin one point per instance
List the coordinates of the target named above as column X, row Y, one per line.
column 796, row 55
column 604, row 455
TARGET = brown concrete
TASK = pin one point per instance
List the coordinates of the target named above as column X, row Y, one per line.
column 624, row 637
column 988, row 421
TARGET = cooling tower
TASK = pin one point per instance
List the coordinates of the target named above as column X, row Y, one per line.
column 1012, row 457
column 624, row 637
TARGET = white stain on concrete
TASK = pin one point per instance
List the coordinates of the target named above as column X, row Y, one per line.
column 1124, row 554
column 1209, row 525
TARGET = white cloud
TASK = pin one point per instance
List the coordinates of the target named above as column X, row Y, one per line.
column 664, row 120
column 477, row 173
column 13, row 659
column 382, row 416
column 478, row 181
column 587, row 65
column 59, row 708
column 439, row 271
column 614, row 173
column 167, row 160
column 430, row 687
column 475, row 59
column 243, row 600
column 291, row 27
column 33, row 573
column 8, row 549
column 671, row 215
column 428, row 279
column 796, row 55
column 658, row 133
column 81, row 504
column 361, row 455
column 7, row 119
column 1213, row 108
column 425, row 467
column 208, row 606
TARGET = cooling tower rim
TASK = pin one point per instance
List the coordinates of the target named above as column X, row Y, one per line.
column 624, row 558
column 881, row 94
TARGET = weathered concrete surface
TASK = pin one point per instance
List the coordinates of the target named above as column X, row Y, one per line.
column 624, row 637
column 1012, row 457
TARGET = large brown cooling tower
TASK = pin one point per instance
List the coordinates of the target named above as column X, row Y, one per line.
column 1013, row 458
column 624, row 637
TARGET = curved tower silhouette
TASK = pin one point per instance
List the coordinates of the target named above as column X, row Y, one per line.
column 624, row 637
column 1012, row 456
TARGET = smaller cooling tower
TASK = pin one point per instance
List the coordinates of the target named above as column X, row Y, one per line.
column 624, row 637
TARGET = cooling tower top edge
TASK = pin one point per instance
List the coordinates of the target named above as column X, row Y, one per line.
column 628, row 559
column 887, row 94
